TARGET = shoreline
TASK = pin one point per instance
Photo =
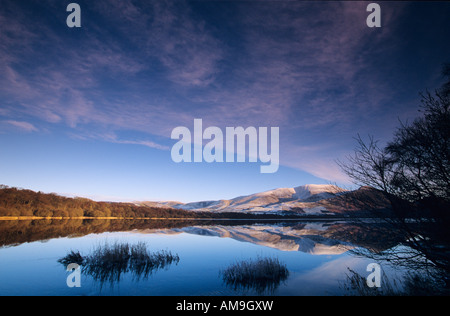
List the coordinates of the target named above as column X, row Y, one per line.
column 23, row 218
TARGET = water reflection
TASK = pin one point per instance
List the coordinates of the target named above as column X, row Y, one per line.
column 320, row 242
column 107, row 263
column 420, row 277
column 310, row 237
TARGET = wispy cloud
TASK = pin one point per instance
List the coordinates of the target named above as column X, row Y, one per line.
column 24, row 126
column 111, row 137
column 143, row 143
column 114, row 139
column 169, row 35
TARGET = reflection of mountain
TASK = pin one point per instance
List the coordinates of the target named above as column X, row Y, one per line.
column 322, row 237
column 312, row 199
column 318, row 238
column 284, row 238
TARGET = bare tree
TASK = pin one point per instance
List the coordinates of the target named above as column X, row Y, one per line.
column 415, row 165
column 413, row 171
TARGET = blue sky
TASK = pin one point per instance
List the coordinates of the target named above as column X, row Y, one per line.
column 89, row 111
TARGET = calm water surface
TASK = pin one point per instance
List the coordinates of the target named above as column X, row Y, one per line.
column 316, row 254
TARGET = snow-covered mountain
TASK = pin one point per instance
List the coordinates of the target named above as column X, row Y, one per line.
column 306, row 199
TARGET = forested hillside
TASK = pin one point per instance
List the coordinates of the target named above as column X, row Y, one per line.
column 21, row 202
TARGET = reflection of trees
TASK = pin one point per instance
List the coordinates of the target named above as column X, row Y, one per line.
column 19, row 231
column 109, row 262
column 421, row 273
column 412, row 283
column 263, row 275
column 373, row 236
column 355, row 284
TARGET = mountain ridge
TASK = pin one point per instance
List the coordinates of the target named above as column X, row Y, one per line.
column 309, row 199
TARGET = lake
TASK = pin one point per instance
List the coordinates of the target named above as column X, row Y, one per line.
column 319, row 257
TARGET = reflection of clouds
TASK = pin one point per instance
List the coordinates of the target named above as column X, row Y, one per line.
column 324, row 279
column 331, row 277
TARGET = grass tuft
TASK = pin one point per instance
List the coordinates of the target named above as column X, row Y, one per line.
column 262, row 274
column 109, row 261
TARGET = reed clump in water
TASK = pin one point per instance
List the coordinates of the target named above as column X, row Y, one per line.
column 109, row 261
column 262, row 274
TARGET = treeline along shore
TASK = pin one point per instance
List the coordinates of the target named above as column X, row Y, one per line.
column 17, row 204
